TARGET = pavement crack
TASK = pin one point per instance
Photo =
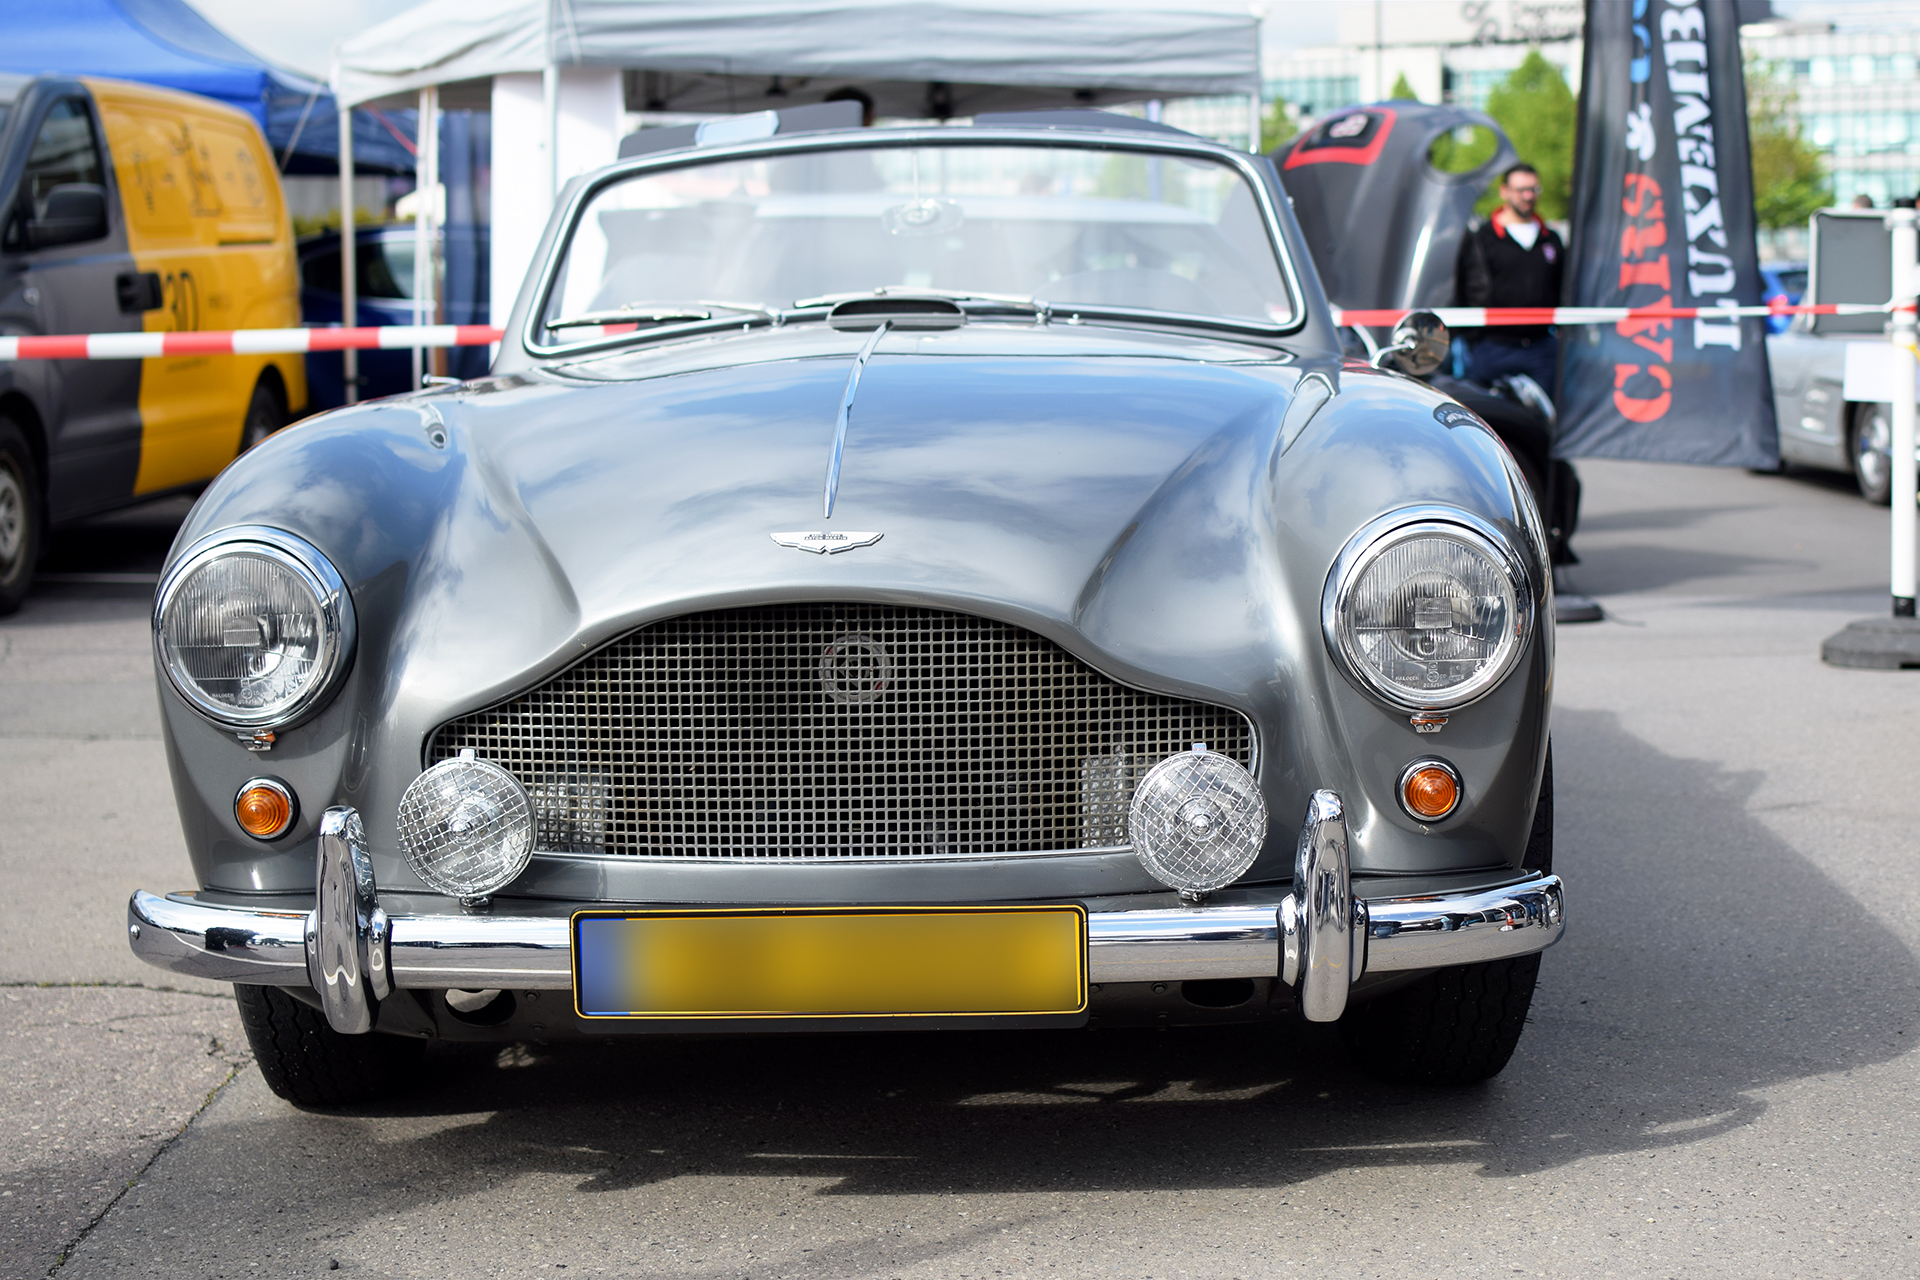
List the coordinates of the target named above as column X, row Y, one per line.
column 80, row 1237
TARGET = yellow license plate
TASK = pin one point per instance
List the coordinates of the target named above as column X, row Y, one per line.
column 831, row 962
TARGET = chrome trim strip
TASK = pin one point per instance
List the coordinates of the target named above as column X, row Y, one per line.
column 1329, row 953
column 1182, row 943
column 971, row 135
column 846, row 412
column 534, row 953
column 1433, row 933
column 346, row 930
column 224, row 944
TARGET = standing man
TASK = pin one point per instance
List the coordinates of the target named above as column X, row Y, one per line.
column 1512, row 260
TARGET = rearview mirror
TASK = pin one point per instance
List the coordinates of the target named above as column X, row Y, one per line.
column 74, row 211
column 1419, row 345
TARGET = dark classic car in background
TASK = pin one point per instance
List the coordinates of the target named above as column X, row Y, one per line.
column 925, row 577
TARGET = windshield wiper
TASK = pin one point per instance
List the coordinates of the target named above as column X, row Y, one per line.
column 636, row 313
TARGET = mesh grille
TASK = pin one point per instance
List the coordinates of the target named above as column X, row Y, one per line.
column 834, row 731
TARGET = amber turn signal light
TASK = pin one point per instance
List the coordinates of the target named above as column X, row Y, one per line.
column 264, row 808
column 1429, row 789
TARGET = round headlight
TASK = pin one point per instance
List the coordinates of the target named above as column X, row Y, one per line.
column 467, row 826
column 1197, row 821
column 1429, row 615
column 253, row 628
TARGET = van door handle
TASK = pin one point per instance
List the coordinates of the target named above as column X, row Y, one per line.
column 138, row 290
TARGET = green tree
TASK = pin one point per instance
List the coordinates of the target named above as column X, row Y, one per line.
column 1537, row 110
column 1402, row 90
column 1789, row 173
column 1276, row 127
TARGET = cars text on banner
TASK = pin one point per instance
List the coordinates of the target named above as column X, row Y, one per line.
column 1663, row 218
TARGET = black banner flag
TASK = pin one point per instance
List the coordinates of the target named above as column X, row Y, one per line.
column 1663, row 217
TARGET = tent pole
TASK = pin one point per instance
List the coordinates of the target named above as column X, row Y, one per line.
column 349, row 276
column 1254, row 113
column 550, row 94
column 550, row 101
column 426, row 178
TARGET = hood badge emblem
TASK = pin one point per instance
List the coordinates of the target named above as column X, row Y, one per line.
column 825, row 541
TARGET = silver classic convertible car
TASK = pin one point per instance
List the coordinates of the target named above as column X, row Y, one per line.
column 924, row 577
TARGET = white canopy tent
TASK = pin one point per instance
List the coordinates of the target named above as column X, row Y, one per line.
column 560, row 73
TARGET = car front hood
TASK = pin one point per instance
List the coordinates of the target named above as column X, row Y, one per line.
column 1000, row 480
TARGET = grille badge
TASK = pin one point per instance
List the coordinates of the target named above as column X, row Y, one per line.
column 855, row 668
column 825, row 541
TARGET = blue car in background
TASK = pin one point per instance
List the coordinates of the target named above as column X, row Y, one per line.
column 1786, row 281
column 384, row 271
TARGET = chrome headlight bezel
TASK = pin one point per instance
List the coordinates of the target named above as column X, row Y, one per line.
column 315, row 572
column 1391, row 530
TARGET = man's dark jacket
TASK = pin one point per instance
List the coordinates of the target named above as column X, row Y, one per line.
column 1494, row 271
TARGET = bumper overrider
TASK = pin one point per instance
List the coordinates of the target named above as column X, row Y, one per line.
column 1319, row 940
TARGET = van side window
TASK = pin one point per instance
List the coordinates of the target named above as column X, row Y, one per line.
column 63, row 154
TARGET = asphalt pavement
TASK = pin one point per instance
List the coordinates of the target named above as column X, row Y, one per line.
column 1718, row 1079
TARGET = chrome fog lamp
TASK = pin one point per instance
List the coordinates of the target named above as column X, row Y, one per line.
column 1197, row 821
column 467, row 826
column 1427, row 614
column 253, row 628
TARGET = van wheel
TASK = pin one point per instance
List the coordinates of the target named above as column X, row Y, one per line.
column 20, row 516
column 264, row 416
column 1870, row 446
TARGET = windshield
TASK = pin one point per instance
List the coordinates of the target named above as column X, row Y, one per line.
column 1064, row 225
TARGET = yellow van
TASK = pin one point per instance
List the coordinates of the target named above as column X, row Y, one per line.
column 130, row 208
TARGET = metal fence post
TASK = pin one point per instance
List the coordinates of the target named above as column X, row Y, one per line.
column 1901, row 222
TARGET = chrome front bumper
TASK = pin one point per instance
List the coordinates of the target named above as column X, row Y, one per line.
column 1318, row 940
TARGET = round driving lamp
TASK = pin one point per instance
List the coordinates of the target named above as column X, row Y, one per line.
column 253, row 628
column 1427, row 614
column 1197, row 821
column 467, row 826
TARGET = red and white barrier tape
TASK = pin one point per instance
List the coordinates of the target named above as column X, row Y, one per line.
column 236, row 342
column 233, row 342
column 1487, row 317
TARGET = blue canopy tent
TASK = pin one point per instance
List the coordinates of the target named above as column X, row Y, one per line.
column 168, row 43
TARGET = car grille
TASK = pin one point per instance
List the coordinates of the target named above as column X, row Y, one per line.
column 834, row 731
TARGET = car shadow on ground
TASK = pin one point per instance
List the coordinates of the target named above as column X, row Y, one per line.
column 1706, row 961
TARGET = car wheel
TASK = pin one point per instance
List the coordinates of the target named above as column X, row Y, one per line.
column 1870, row 445
column 1455, row 1026
column 264, row 416
column 310, row 1064
column 20, row 523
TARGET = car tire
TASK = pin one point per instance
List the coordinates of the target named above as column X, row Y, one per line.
column 1870, row 449
column 313, row 1066
column 1455, row 1026
column 265, row 415
column 21, row 520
